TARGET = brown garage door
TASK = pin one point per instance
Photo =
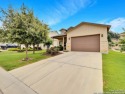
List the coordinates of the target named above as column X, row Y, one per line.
column 86, row 43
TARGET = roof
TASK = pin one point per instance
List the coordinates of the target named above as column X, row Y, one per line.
column 71, row 28
column 60, row 35
column 123, row 33
column 63, row 29
column 108, row 26
column 53, row 33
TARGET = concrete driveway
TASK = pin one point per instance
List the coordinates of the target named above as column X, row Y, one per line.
column 69, row 73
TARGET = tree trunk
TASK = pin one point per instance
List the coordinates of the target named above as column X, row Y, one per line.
column 26, row 45
column 19, row 45
column 37, row 47
column 33, row 48
column 48, row 46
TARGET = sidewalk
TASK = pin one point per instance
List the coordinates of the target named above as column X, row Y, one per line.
column 1, row 92
column 10, row 85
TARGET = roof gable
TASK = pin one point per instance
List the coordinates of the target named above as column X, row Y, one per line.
column 82, row 23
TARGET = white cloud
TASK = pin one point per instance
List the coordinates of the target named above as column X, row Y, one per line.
column 0, row 24
column 64, row 9
column 116, row 24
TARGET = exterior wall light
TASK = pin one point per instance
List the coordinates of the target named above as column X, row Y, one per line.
column 101, row 35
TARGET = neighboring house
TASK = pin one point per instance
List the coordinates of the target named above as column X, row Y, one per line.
column 122, row 35
column 118, row 46
column 88, row 37
column 14, row 45
column 55, row 41
column 114, row 40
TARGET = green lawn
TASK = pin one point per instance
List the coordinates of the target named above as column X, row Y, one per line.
column 10, row 59
column 114, row 71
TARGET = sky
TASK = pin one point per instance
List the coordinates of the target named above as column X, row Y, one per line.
column 65, row 13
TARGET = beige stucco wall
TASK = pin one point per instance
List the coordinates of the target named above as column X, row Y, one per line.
column 55, row 41
column 88, row 29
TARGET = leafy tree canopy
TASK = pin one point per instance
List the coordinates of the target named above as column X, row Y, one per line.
column 23, row 27
column 113, row 35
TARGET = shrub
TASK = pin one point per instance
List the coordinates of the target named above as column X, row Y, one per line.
column 16, row 49
column 38, row 48
column 52, row 51
column 111, row 44
column 19, row 50
column 29, row 49
column 122, row 48
column 13, row 49
column 116, row 44
column 60, row 47
column 122, row 41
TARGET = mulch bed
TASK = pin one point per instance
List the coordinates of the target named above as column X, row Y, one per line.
column 52, row 55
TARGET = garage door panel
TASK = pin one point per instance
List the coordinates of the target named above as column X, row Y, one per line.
column 86, row 43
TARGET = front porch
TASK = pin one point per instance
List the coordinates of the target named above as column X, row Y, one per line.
column 62, row 40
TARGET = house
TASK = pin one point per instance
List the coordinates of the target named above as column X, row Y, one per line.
column 86, row 36
column 55, row 41
column 122, row 35
column 5, row 46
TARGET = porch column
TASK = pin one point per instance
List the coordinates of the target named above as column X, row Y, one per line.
column 63, row 44
column 53, row 42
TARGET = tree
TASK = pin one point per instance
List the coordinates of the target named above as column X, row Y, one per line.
column 19, row 24
column 109, row 38
column 1, row 35
column 39, row 33
column 23, row 27
column 122, row 41
column 112, row 35
column 43, row 30
column 48, row 42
